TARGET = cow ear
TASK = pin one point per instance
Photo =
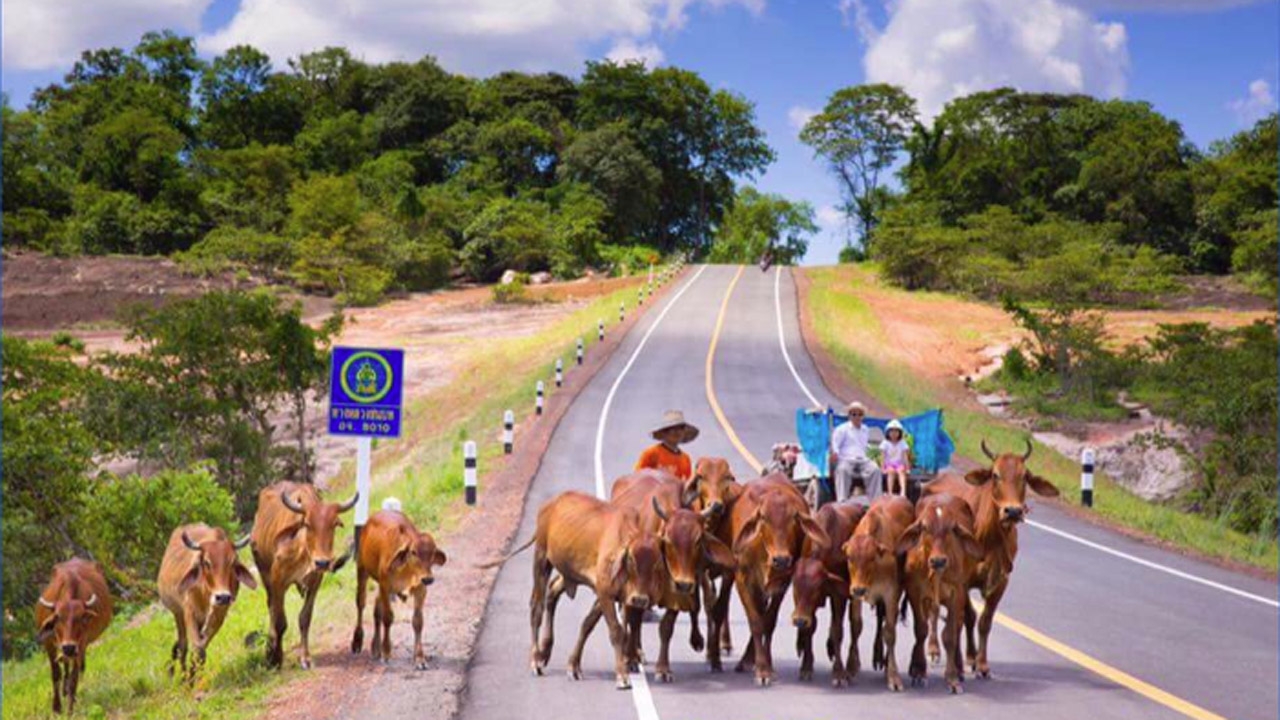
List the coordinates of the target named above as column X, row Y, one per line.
column 245, row 577
column 732, row 491
column 847, row 547
column 618, row 569
column 837, row 585
column 979, row 476
column 1040, row 486
column 969, row 542
column 439, row 558
column 719, row 554
column 46, row 630
column 909, row 538
column 689, row 493
column 748, row 534
column 190, row 578
column 811, row 528
column 287, row 535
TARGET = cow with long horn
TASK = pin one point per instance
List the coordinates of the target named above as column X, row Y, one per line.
column 292, row 541
column 998, row 498
column 72, row 611
column 200, row 577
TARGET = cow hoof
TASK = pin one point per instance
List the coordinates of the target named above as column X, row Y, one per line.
column 664, row 676
column 624, row 683
column 357, row 643
column 633, row 666
column 305, row 663
column 764, row 680
column 420, row 665
column 726, row 647
column 537, row 668
column 839, row 682
column 957, row 689
column 806, row 676
column 983, row 671
column 917, row 681
column 697, row 643
column 716, row 667
column 895, row 684
column 575, row 673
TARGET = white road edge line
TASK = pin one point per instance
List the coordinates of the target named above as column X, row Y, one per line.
column 777, row 304
column 640, row 694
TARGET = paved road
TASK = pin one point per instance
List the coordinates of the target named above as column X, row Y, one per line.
column 1085, row 633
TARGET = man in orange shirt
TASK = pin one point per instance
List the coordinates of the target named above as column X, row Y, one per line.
column 667, row 456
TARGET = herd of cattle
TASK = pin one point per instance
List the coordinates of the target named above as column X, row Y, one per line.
column 657, row 543
column 662, row 543
column 201, row 574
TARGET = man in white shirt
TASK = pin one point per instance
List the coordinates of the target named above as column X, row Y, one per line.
column 853, row 469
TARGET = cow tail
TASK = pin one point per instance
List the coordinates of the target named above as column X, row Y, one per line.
column 508, row 556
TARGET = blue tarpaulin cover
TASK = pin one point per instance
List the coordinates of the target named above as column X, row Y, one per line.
column 930, row 445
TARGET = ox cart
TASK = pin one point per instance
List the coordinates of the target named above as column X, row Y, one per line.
column 931, row 450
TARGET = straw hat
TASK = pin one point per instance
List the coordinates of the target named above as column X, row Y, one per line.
column 675, row 419
column 855, row 405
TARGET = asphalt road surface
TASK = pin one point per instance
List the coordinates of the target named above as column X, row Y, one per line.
column 1093, row 626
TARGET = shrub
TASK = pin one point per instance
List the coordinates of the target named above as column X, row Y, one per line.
column 265, row 253
column 508, row 235
column 1015, row 365
column 511, row 293
column 128, row 520
column 624, row 260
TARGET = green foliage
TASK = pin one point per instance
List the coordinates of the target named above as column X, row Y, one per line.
column 624, row 260
column 512, row 293
column 508, row 235
column 265, row 253
column 763, row 222
column 1255, row 256
column 127, row 520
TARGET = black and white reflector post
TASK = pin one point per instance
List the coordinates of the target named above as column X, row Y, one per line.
column 1086, row 477
column 508, row 432
column 559, row 372
column 469, row 470
column 600, row 330
column 541, row 392
column 622, row 312
column 640, row 297
column 579, row 351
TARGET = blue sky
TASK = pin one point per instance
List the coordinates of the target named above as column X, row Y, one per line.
column 1210, row 64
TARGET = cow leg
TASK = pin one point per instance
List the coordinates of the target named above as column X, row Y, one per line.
column 178, row 655
column 588, row 624
column 756, row 653
column 55, row 671
column 835, row 642
column 726, row 642
column 955, row 620
column 935, row 649
column 618, row 636
column 362, row 592
column 886, row 621
column 877, row 643
column 376, row 644
column 919, row 668
column 632, row 619
column 549, row 623
column 667, row 628
column 194, row 636
column 970, row 646
column 992, row 600
column 696, row 641
column 537, row 606
column 717, row 618
column 854, row 664
column 279, row 624
column 73, row 682
column 419, row 652
column 304, row 618
column 804, row 650
column 388, row 617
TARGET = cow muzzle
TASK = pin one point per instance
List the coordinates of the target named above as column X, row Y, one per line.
column 1014, row 514
column 801, row 622
column 222, row 598
column 70, row 650
column 716, row 508
column 639, row 601
column 780, row 562
column 938, row 563
column 858, row 592
column 323, row 564
column 684, row 588
column 428, row 580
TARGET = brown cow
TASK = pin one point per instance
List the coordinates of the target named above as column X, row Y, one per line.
column 717, row 488
column 766, row 527
column 200, row 577
column 72, row 611
column 998, row 497
column 293, row 545
column 400, row 559
column 823, row 574
column 942, row 555
column 688, row 548
column 589, row 542
column 875, row 577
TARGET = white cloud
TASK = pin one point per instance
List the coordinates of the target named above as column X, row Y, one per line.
column 46, row 34
column 798, row 116
column 1259, row 102
column 938, row 51
column 470, row 36
column 833, row 223
column 628, row 50
column 1163, row 5
column 857, row 16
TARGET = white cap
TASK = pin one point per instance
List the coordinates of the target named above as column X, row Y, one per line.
column 391, row 504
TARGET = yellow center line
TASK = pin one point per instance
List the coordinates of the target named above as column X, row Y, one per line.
column 1092, row 664
column 710, row 377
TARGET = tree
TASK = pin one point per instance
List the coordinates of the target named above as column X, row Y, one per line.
column 243, row 102
column 859, row 134
column 1234, row 182
column 759, row 223
column 607, row 160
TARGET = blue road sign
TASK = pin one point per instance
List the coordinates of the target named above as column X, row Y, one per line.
column 365, row 392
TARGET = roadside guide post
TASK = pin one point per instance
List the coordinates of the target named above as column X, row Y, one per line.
column 622, row 311
column 508, row 432
column 1086, row 477
column 541, row 389
column 559, row 372
column 579, row 351
column 469, row 470
column 365, row 402
column 600, row 330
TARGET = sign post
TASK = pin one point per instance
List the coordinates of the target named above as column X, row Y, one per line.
column 1086, row 477
column 366, row 388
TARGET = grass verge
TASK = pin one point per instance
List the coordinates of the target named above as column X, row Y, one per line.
column 127, row 675
column 847, row 328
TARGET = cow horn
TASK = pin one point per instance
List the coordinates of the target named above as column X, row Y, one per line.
column 657, row 508
column 46, row 603
column 350, row 503
column 291, row 503
column 93, row 600
column 242, row 542
column 186, row 540
column 986, row 451
column 1027, row 454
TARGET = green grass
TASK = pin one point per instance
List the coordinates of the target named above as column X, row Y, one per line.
column 127, row 675
column 836, row 308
